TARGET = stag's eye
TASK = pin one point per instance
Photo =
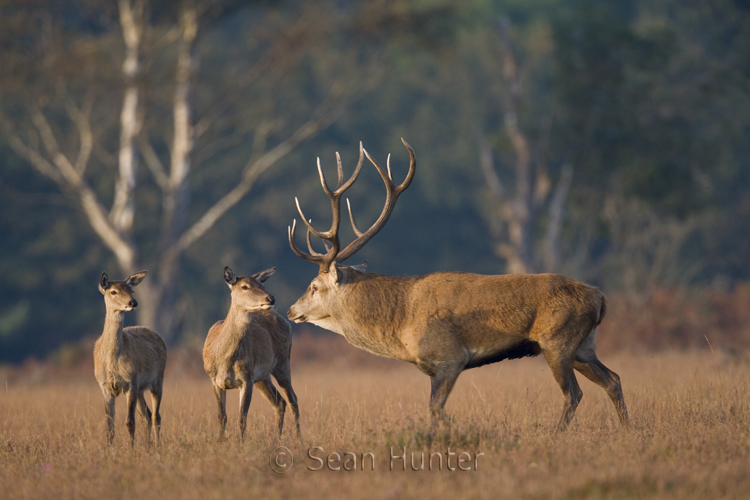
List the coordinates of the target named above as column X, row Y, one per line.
column 245, row 287
column 314, row 288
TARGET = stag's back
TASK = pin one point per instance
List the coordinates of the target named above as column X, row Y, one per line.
column 527, row 305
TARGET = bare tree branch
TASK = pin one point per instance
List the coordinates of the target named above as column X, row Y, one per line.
column 153, row 162
column 252, row 171
column 81, row 117
column 36, row 159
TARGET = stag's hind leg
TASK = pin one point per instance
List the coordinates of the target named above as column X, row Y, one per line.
column 561, row 364
column 590, row 367
column 270, row 394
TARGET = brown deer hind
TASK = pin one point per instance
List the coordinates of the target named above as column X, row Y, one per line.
column 128, row 360
column 245, row 349
column 447, row 322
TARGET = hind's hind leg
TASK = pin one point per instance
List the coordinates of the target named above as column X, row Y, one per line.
column 590, row 367
column 146, row 414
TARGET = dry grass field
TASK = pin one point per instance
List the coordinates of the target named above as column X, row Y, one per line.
column 690, row 436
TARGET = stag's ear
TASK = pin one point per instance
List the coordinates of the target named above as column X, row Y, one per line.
column 262, row 276
column 103, row 282
column 335, row 273
column 136, row 278
column 362, row 268
column 229, row 276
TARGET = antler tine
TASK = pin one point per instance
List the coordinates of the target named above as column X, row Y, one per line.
column 297, row 251
column 323, row 180
column 309, row 244
column 324, row 260
column 388, row 166
column 412, row 168
column 392, row 194
column 339, row 171
column 318, row 234
column 340, row 190
column 351, row 218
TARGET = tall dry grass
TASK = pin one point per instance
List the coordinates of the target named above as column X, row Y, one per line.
column 690, row 435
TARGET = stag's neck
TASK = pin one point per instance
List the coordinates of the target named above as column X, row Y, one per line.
column 112, row 334
column 379, row 326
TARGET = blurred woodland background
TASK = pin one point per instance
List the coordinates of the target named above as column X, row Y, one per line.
column 608, row 141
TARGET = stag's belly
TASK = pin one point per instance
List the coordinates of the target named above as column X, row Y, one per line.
column 510, row 348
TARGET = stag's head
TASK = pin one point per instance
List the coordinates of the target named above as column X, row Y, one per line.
column 118, row 295
column 248, row 293
column 322, row 297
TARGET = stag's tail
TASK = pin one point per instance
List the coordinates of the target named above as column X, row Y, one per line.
column 602, row 310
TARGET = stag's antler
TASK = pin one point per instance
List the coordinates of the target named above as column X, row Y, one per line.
column 333, row 253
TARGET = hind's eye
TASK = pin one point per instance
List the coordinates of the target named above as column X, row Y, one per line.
column 244, row 287
column 113, row 292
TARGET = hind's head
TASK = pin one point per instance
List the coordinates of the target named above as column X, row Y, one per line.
column 248, row 293
column 118, row 295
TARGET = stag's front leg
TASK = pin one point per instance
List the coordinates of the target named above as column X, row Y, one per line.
column 130, row 423
column 246, row 393
column 221, row 401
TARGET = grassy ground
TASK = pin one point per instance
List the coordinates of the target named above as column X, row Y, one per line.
column 690, row 435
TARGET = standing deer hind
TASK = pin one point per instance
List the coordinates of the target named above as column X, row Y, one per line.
column 128, row 360
column 447, row 322
column 245, row 349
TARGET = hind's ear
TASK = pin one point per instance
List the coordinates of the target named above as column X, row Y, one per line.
column 136, row 278
column 264, row 275
column 103, row 282
column 229, row 276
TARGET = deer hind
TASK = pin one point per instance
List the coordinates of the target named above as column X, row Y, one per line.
column 128, row 360
column 447, row 322
column 244, row 350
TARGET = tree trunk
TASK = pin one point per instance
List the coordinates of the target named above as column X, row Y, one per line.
column 162, row 312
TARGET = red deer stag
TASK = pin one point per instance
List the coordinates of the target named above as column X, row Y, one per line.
column 447, row 322
column 251, row 344
column 128, row 360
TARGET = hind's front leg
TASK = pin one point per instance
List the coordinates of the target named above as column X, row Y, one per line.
column 109, row 409
column 221, row 401
column 246, row 394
